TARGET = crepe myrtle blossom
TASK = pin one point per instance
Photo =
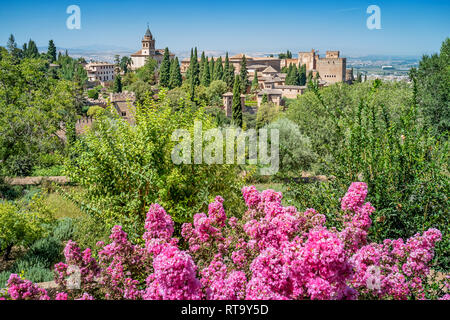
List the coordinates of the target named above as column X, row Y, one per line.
column 270, row 252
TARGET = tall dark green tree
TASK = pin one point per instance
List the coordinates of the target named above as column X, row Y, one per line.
column 117, row 87
column 15, row 52
column 218, row 69
column 237, row 106
column 228, row 73
column 11, row 45
column 203, row 62
column 196, row 69
column 206, row 74
column 302, row 75
column 32, row 50
column 255, row 84
column 175, row 74
column 51, row 51
column 243, row 75
column 290, row 75
column 164, row 71
column 432, row 79
column 211, row 68
column 264, row 99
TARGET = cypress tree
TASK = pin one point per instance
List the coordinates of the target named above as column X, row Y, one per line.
column 295, row 76
column 196, row 69
column 289, row 76
column 32, row 51
column 25, row 50
column 206, row 75
column 264, row 99
column 117, row 88
column 302, row 75
column 11, row 45
column 218, row 69
column 164, row 71
column 237, row 107
column 228, row 73
column 211, row 69
column 243, row 75
column 175, row 74
column 255, row 84
column 51, row 52
column 202, row 64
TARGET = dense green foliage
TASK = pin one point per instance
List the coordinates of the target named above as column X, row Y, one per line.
column 433, row 89
column 32, row 107
column 125, row 168
column 373, row 132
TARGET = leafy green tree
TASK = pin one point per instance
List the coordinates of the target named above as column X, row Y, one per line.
column 243, row 75
column 117, row 87
column 237, row 105
column 164, row 71
column 296, row 153
column 267, row 112
column 147, row 73
column 125, row 64
column 51, row 51
column 22, row 224
column 215, row 91
column 175, row 74
column 433, row 89
column 33, row 107
column 72, row 70
column 136, row 168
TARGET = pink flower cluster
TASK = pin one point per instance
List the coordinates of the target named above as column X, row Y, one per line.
column 272, row 252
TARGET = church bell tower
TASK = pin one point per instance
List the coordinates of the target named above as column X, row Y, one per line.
column 148, row 43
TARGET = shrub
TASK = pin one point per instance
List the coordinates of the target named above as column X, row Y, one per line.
column 274, row 252
column 93, row 94
column 35, row 269
column 22, row 225
column 295, row 148
column 63, row 230
column 46, row 250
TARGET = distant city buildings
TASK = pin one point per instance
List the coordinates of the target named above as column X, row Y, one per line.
column 102, row 72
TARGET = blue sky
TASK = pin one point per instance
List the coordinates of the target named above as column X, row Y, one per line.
column 408, row 27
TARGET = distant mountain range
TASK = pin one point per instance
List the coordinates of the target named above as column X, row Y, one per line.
column 107, row 53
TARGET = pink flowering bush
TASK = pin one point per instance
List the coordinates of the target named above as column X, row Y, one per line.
column 273, row 252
